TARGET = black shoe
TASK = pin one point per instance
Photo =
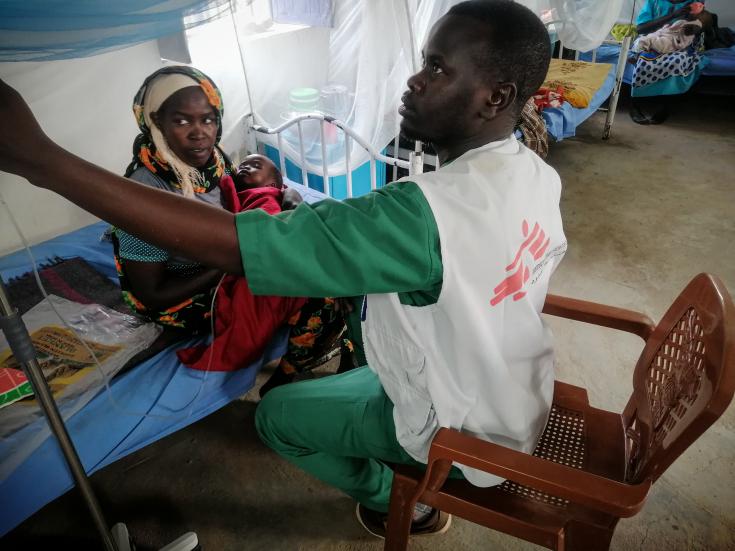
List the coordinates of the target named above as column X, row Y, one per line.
column 376, row 522
column 654, row 114
column 638, row 116
column 660, row 115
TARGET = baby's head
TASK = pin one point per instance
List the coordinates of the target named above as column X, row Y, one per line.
column 257, row 171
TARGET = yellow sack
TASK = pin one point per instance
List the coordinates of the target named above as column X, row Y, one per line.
column 579, row 79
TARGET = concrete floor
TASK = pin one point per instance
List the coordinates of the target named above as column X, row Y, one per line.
column 643, row 213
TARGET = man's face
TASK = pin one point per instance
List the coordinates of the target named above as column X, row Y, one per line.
column 443, row 100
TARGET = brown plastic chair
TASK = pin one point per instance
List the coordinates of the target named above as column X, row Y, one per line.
column 591, row 467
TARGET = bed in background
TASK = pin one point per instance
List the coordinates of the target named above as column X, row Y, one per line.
column 311, row 167
column 562, row 122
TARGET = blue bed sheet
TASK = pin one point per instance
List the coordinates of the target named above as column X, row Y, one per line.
column 721, row 62
column 609, row 53
column 562, row 122
column 159, row 396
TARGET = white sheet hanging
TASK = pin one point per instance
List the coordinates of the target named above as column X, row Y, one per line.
column 586, row 22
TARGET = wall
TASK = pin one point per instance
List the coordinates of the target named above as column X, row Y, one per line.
column 725, row 9
column 85, row 105
column 276, row 59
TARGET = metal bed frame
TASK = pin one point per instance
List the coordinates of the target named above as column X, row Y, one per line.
column 619, row 70
column 414, row 164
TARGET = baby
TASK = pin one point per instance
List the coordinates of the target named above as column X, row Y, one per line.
column 257, row 171
column 259, row 184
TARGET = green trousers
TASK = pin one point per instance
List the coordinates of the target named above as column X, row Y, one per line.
column 339, row 429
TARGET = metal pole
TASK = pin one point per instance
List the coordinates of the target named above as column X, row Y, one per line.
column 325, row 167
column 304, row 174
column 348, row 170
column 20, row 343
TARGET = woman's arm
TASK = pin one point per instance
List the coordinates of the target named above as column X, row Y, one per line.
column 195, row 230
column 159, row 289
column 655, row 24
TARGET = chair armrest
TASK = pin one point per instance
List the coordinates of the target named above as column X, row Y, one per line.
column 599, row 314
column 603, row 494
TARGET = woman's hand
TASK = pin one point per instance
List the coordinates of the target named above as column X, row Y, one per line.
column 291, row 199
column 158, row 289
column 23, row 144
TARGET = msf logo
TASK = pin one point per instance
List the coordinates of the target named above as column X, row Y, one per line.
column 534, row 246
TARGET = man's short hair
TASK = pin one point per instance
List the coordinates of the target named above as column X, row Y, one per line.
column 517, row 48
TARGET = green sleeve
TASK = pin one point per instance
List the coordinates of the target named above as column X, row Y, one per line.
column 385, row 241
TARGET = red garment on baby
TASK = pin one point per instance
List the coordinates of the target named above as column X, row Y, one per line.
column 266, row 198
column 244, row 323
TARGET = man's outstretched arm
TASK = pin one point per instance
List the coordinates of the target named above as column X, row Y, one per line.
column 198, row 231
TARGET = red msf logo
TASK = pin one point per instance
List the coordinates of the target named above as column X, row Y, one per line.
column 535, row 245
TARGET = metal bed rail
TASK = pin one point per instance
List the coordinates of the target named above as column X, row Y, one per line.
column 412, row 165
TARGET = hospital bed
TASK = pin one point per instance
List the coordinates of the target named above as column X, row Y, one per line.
column 157, row 397
column 562, row 122
column 150, row 401
column 343, row 179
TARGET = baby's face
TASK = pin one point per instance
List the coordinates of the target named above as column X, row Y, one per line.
column 257, row 171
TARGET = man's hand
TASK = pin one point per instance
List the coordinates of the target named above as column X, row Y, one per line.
column 22, row 141
column 291, row 199
column 190, row 228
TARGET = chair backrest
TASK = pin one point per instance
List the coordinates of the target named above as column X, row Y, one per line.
column 684, row 379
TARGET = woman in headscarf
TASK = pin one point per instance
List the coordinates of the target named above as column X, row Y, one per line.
column 179, row 112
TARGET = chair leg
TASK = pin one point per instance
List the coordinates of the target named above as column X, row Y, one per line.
column 579, row 536
column 400, row 513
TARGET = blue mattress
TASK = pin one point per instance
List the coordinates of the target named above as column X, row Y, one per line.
column 721, row 62
column 562, row 122
column 161, row 386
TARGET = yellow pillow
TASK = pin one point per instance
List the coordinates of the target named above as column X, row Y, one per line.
column 579, row 79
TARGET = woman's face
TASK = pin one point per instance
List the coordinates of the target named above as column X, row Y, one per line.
column 189, row 124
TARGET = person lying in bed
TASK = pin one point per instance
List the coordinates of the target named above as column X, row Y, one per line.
column 455, row 264
column 179, row 111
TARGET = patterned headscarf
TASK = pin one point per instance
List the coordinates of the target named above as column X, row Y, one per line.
column 150, row 148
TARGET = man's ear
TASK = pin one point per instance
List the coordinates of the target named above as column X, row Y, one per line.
column 499, row 99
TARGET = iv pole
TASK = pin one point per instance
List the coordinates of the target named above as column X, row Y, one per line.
column 22, row 348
